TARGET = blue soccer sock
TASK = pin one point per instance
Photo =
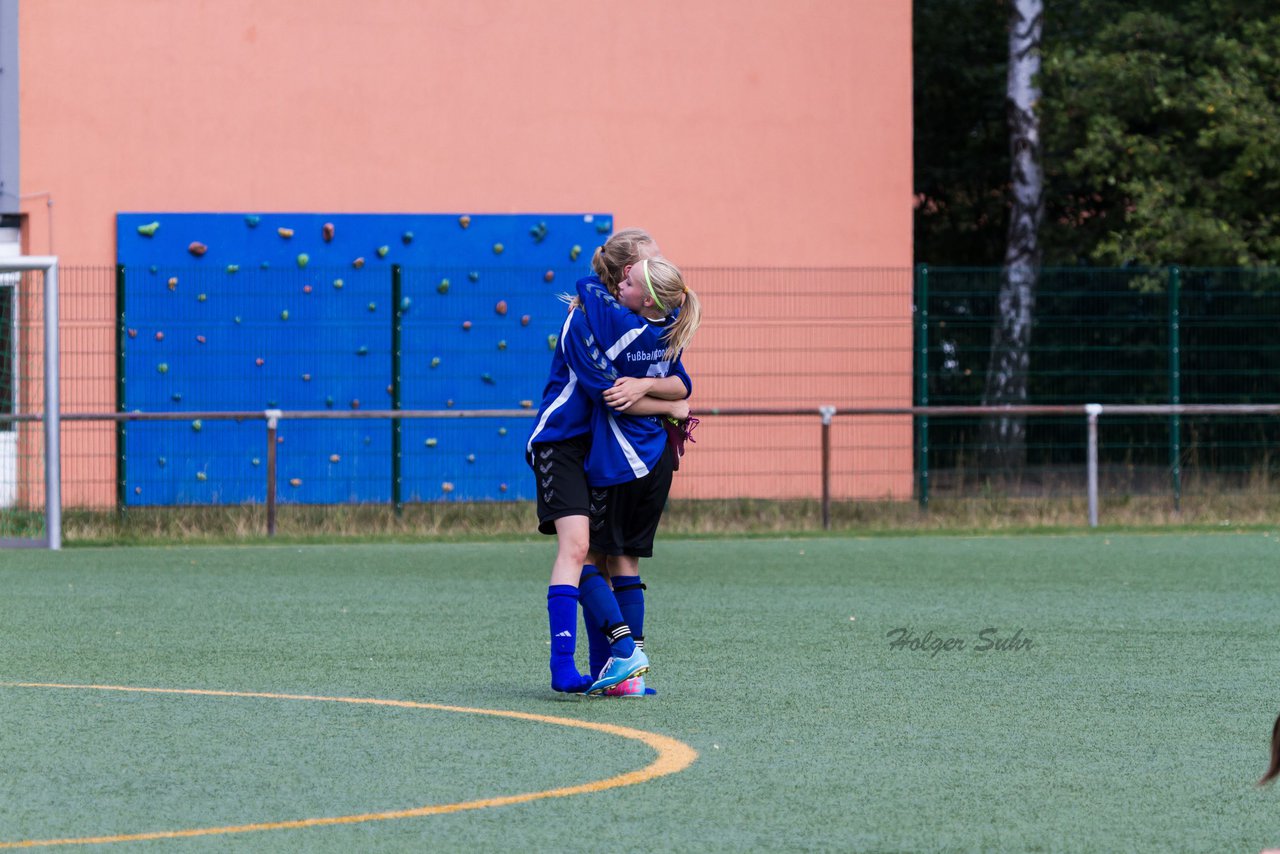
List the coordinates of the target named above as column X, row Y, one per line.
column 562, row 614
column 598, row 649
column 629, row 591
column 601, row 608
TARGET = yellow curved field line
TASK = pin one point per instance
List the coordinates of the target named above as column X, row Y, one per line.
column 673, row 756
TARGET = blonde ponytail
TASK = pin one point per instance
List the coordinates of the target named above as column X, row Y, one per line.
column 668, row 291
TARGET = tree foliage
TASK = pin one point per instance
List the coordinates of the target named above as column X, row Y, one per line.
column 1159, row 121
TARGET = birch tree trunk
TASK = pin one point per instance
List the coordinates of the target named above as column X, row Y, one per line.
column 1002, row 439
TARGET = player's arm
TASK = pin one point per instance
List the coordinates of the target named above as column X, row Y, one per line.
column 594, row 372
column 677, row 409
column 628, row 391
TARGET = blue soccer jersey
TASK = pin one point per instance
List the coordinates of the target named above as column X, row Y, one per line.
column 618, row 342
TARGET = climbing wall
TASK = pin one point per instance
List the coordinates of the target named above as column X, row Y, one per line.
column 245, row 312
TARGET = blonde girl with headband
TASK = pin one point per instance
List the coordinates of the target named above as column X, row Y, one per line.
column 640, row 334
column 557, row 451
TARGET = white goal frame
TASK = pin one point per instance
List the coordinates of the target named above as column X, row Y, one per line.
column 47, row 264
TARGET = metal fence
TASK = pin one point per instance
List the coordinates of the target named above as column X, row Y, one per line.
column 785, row 340
column 1176, row 335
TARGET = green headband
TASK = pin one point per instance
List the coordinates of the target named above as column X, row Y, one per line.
column 649, row 285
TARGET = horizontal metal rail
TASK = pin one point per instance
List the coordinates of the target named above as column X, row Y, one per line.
column 1091, row 412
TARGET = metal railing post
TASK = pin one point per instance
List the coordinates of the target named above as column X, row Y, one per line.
column 52, row 411
column 1175, row 384
column 1092, row 411
column 273, row 421
column 397, row 313
column 922, row 382
column 122, row 495
column 827, row 413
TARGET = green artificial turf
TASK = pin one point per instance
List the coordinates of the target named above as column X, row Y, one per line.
column 1137, row 718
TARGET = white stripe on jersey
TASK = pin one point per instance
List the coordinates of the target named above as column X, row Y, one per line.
column 565, row 393
column 624, row 342
column 633, row 459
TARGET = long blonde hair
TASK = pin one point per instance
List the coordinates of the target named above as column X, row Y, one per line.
column 668, row 291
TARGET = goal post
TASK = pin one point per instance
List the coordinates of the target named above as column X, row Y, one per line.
column 24, row 343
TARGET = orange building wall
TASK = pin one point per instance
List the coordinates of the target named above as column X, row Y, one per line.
column 745, row 133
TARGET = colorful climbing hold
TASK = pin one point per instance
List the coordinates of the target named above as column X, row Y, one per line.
column 435, row 361
column 252, row 220
column 176, row 397
column 149, row 229
column 464, row 220
column 163, row 367
column 551, row 342
column 201, row 476
column 333, row 458
column 197, row 425
column 306, row 289
column 526, row 404
column 326, row 231
column 200, row 339
column 502, row 345
column 383, row 250
column 575, row 252
column 471, row 458
column 474, row 275
column 443, row 287
column 303, row 260
column 501, row 307
column 406, row 238
column 549, row 275
column 502, row 487
column 306, row 378
column 284, row 315
column 430, row 443
column 358, row 263
column 487, row 379
column 233, row 268
column 373, row 306
column 404, row 304
column 197, row 248
column 255, row 461
column 295, row 482
column 362, row 351
column 502, row 431
column 355, row 404
column 173, row 283
column 133, row 333
column 286, row 233
column 159, row 336
column 328, row 402
column 524, row 320
column 161, row 461
column 337, row 284
column 497, row 248
column 259, row 361
column 466, row 325
column 538, row 232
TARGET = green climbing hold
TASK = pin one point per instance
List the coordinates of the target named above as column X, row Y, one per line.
column 149, row 229
column 303, row 259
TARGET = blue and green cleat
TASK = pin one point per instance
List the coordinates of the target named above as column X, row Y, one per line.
column 618, row 670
